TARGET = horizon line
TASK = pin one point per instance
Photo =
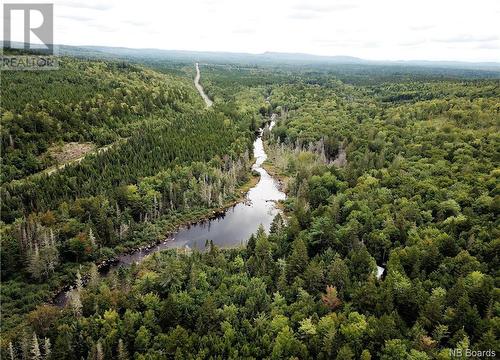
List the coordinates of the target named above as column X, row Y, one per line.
column 296, row 53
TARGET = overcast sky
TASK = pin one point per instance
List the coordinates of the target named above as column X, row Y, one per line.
column 381, row 29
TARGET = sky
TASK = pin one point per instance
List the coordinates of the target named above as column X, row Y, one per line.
column 377, row 30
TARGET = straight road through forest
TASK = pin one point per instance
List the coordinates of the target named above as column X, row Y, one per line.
column 200, row 88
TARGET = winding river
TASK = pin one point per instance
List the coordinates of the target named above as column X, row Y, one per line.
column 231, row 229
column 236, row 225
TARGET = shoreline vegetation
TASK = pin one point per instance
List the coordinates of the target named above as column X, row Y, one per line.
column 173, row 227
column 381, row 165
column 170, row 227
column 109, row 112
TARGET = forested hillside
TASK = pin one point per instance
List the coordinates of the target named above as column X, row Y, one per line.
column 170, row 162
column 380, row 168
column 83, row 101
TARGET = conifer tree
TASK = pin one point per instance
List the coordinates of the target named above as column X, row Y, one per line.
column 35, row 349
column 47, row 347
column 12, row 352
column 122, row 351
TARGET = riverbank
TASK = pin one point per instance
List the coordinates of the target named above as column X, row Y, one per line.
column 163, row 230
column 254, row 204
column 278, row 175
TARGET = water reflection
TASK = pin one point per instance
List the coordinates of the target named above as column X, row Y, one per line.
column 230, row 230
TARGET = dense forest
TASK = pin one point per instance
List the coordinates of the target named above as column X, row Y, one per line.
column 169, row 162
column 95, row 101
column 381, row 167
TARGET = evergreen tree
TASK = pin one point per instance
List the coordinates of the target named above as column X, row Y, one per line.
column 298, row 259
column 122, row 351
column 12, row 352
column 47, row 347
column 35, row 349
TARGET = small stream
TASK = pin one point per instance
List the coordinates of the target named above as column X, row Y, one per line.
column 231, row 229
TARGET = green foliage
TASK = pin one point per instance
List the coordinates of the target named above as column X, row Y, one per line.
column 94, row 101
column 387, row 168
column 174, row 162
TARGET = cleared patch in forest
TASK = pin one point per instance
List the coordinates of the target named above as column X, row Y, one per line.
column 69, row 151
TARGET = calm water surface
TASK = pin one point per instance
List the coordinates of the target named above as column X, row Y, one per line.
column 236, row 225
column 230, row 230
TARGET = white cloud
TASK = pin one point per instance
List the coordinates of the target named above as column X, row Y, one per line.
column 465, row 38
column 244, row 31
column 76, row 17
column 383, row 29
column 304, row 15
column 138, row 23
column 325, row 7
column 422, row 27
column 87, row 4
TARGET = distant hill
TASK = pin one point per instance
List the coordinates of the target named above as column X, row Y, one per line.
column 270, row 58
